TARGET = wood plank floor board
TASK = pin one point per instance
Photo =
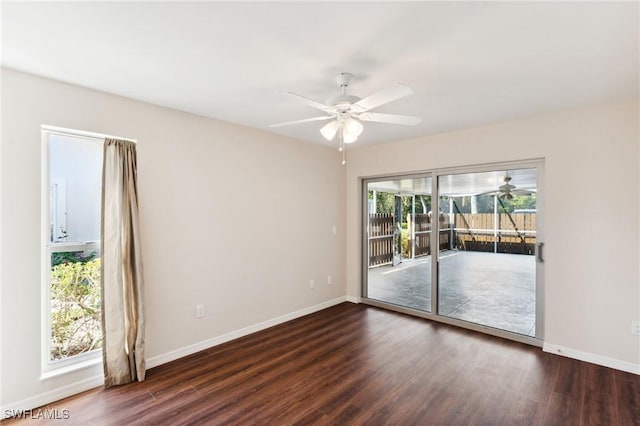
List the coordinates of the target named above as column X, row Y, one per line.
column 359, row 365
column 524, row 411
column 563, row 410
column 626, row 398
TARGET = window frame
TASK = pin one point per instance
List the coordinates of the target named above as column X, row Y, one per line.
column 51, row 368
column 435, row 173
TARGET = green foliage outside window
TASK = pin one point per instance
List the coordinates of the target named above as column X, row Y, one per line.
column 76, row 324
column 70, row 256
column 385, row 203
column 406, row 243
column 484, row 204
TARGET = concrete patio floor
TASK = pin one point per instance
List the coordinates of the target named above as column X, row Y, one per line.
column 492, row 289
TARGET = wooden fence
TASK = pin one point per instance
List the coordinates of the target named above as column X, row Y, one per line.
column 422, row 226
column 503, row 233
column 380, row 239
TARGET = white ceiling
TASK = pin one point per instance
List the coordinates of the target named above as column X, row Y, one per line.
column 470, row 63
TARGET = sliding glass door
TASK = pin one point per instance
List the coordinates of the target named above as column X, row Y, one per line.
column 488, row 277
column 457, row 245
column 398, row 245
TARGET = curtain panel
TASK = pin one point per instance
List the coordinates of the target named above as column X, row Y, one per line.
column 122, row 278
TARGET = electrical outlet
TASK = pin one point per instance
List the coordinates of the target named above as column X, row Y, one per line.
column 635, row 327
column 200, row 311
column 329, row 280
column 312, row 283
column 334, row 230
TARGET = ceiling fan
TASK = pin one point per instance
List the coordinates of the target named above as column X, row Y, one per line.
column 507, row 190
column 347, row 111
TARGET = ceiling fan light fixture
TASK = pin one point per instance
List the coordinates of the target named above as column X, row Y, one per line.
column 348, row 137
column 353, row 126
column 329, row 130
column 347, row 112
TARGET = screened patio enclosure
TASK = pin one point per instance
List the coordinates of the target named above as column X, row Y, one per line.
column 473, row 261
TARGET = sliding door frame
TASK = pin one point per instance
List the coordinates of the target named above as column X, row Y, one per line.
column 538, row 164
column 365, row 233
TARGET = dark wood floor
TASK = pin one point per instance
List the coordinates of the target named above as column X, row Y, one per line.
column 353, row 364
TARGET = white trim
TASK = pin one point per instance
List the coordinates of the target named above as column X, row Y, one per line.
column 540, row 240
column 206, row 344
column 74, row 363
column 53, row 395
column 82, row 133
column 45, row 258
column 629, row 367
column 74, row 246
column 353, row 299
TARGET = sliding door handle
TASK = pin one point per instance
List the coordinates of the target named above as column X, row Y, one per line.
column 539, row 252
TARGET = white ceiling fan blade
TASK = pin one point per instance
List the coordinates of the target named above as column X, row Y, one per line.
column 312, row 103
column 407, row 120
column 304, row 120
column 386, row 95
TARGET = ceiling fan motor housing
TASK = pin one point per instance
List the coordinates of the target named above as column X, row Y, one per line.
column 342, row 102
column 507, row 187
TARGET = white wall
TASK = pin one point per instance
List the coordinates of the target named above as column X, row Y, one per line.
column 235, row 218
column 592, row 188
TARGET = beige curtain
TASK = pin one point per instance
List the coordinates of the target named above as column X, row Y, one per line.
column 122, row 313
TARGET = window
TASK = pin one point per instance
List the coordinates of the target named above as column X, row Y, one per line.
column 72, row 315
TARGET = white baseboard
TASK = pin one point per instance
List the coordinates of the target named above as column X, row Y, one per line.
column 353, row 299
column 51, row 396
column 592, row 358
column 206, row 344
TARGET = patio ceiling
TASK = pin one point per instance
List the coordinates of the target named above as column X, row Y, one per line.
column 459, row 184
